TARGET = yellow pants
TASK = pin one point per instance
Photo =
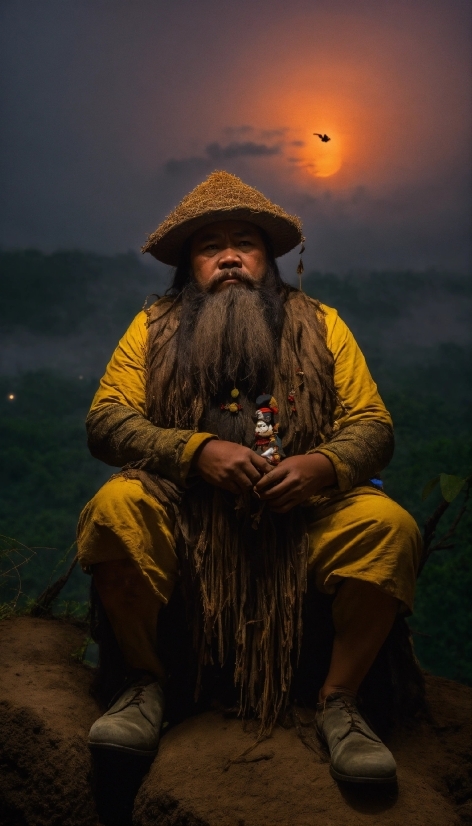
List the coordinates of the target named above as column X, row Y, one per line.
column 361, row 534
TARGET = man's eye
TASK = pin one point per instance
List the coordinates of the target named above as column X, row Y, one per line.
column 246, row 243
column 210, row 247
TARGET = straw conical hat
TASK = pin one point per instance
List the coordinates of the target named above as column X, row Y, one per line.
column 220, row 197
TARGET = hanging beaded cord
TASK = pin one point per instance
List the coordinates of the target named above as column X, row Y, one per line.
column 234, row 406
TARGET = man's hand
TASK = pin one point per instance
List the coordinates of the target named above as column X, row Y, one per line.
column 230, row 466
column 295, row 480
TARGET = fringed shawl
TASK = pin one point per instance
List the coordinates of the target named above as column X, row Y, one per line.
column 248, row 575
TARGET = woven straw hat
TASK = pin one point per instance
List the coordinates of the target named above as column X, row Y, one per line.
column 220, row 197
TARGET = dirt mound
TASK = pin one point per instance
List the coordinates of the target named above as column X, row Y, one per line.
column 46, row 768
column 45, row 714
column 282, row 782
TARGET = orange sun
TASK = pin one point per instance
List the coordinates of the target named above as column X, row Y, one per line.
column 322, row 159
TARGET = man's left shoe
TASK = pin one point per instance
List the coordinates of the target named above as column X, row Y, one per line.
column 357, row 754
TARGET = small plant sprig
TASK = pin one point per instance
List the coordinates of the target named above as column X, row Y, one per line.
column 13, row 555
column 450, row 486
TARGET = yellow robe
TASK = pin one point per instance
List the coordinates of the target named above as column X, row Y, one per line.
column 356, row 531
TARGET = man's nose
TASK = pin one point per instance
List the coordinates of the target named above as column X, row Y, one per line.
column 229, row 258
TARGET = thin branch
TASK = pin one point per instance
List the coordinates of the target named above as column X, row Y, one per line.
column 10, row 556
column 431, row 525
column 458, row 518
column 43, row 603
column 440, row 546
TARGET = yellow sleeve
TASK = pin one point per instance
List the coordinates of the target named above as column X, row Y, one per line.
column 362, row 442
column 357, row 392
column 119, row 432
column 124, row 381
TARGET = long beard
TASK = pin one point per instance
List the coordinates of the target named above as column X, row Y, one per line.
column 227, row 339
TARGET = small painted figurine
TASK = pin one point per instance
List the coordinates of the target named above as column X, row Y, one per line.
column 267, row 443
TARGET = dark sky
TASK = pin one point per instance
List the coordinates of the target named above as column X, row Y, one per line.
column 113, row 109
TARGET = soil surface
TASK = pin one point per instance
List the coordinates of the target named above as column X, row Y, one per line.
column 199, row 777
column 45, row 715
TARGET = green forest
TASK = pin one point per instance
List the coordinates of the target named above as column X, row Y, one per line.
column 57, row 304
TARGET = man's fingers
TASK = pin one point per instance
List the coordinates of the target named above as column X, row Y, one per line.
column 245, row 477
column 253, row 474
column 260, row 463
column 243, row 483
column 275, row 495
column 270, row 479
column 284, row 488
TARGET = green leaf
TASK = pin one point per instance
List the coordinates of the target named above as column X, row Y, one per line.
column 429, row 487
column 451, row 486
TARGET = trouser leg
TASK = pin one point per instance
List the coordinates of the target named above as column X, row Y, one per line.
column 125, row 539
column 365, row 548
column 363, row 616
column 132, row 608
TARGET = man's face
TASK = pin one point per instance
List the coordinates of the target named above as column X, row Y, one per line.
column 226, row 252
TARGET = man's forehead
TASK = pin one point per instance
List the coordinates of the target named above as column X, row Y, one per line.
column 219, row 228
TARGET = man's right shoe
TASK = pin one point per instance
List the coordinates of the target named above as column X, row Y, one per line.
column 133, row 723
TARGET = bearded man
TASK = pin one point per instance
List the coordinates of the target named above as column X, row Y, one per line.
column 201, row 497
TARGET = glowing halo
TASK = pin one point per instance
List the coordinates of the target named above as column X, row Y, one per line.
column 327, row 166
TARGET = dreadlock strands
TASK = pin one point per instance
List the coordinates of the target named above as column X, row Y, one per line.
column 246, row 584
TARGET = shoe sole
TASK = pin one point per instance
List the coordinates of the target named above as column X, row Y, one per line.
column 121, row 749
column 349, row 778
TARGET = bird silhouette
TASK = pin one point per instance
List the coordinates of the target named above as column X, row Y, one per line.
column 324, row 138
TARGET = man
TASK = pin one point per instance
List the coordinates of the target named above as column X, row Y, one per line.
column 249, row 428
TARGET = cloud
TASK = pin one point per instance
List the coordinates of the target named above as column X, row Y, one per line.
column 239, row 150
column 216, row 152
column 270, row 134
column 420, row 226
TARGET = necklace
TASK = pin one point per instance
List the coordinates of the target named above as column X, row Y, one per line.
column 234, row 406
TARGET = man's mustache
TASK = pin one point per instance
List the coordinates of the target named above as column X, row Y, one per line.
column 236, row 274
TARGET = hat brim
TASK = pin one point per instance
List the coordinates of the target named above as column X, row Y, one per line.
column 283, row 234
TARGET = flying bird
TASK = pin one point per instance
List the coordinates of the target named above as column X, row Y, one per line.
column 324, row 138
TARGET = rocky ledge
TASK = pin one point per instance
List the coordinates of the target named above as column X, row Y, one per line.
column 200, row 776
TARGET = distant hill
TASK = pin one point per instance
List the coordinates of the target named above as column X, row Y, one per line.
column 66, row 311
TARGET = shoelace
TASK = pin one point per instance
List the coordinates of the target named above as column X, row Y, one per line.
column 356, row 720
column 137, row 697
column 127, row 684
